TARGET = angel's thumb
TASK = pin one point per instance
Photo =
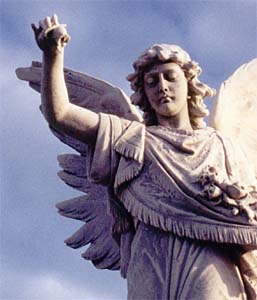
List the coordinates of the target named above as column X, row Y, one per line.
column 34, row 28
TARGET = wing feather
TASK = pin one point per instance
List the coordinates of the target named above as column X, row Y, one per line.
column 97, row 252
column 88, row 233
column 235, row 110
column 73, row 163
column 82, row 208
column 87, row 91
column 91, row 208
column 77, row 145
column 103, row 250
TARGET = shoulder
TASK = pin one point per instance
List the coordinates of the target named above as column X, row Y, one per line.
column 116, row 122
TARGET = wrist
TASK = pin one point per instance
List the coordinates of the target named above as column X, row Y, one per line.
column 53, row 56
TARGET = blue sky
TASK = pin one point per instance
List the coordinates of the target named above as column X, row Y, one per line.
column 107, row 36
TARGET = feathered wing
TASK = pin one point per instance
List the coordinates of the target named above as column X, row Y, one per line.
column 91, row 208
column 235, row 111
column 86, row 91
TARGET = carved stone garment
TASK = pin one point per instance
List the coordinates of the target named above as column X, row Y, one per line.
column 185, row 192
column 187, row 177
column 164, row 266
column 178, row 181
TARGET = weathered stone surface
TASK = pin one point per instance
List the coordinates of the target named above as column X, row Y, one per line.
column 176, row 210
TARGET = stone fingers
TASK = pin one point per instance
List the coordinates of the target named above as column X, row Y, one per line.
column 50, row 34
column 54, row 20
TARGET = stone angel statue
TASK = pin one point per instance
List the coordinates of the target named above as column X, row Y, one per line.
column 168, row 201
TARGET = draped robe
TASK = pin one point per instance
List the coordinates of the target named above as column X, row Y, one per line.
column 182, row 191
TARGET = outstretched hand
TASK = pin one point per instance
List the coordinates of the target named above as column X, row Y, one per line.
column 50, row 35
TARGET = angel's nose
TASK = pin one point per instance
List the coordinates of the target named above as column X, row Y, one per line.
column 163, row 87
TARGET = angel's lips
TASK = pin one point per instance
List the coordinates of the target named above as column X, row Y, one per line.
column 165, row 99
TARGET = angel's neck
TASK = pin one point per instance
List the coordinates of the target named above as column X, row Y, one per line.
column 179, row 121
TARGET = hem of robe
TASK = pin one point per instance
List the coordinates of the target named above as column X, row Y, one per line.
column 219, row 232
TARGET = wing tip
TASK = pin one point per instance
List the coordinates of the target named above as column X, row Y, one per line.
column 19, row 73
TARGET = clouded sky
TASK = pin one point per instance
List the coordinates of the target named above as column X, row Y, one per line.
column 107, row 36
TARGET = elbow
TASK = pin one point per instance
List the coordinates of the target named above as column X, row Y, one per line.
column 54, row 119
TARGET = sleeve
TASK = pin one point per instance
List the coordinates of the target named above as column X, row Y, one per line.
column 102, row 159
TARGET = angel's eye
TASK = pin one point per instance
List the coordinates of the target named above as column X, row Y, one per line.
column 150, row 80
column 170, row 76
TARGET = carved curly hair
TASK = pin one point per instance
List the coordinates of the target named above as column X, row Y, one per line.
column 197, row 91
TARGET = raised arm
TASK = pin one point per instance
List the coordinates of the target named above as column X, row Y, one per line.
column 62, row 115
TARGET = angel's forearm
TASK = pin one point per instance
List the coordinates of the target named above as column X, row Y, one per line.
column 54, row 95
column 78, row 122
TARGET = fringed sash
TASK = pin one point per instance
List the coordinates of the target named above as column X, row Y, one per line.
column 167, row 179
column 192, row 213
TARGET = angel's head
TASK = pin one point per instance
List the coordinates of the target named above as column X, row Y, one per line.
column 163, row 56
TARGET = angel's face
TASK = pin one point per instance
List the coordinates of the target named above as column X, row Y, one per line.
column 166, row 89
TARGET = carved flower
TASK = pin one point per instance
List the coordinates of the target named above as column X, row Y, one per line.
column 211, row 191
column 208, row 176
